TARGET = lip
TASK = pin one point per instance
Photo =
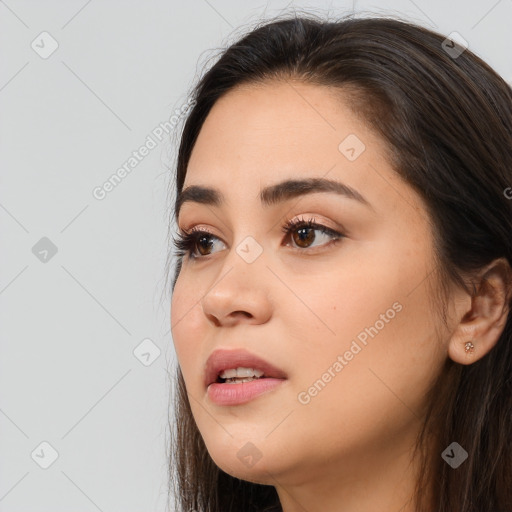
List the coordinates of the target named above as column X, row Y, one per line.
column 223, row 359
column 242, row 392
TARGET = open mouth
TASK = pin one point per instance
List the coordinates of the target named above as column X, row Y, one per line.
column 235, row 377
column 238, row 375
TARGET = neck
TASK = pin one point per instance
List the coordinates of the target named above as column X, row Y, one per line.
column 380, row 478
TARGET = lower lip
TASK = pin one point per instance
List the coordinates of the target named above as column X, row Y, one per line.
column 236, row 394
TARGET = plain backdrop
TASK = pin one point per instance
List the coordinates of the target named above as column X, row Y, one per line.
column 86, row 350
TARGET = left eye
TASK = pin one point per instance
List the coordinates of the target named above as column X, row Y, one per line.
column 301, row 232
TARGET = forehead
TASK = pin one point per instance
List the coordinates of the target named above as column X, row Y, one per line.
column 255, row 114
column 259, row 130
column 259, row 135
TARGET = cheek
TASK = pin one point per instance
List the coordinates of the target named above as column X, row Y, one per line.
column 386, row 339
column 375, row 314
column 187, row 325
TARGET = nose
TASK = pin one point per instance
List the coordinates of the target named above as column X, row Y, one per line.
column 240, row 293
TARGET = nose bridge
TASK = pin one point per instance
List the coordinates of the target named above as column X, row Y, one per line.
column 249, row 250
column 240, row 284
column 248, row 238
column 245, row 263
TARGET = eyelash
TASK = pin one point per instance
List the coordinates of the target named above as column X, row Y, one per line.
column 184, row 243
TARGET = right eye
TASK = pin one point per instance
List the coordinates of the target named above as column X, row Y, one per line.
column 187, row 243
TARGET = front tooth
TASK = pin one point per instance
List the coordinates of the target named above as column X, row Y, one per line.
column 240, row 372
column 228, row 374
column 244, row 372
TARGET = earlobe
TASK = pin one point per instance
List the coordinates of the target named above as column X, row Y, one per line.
column 466, row 352
column 469, row 347
column 480, row 328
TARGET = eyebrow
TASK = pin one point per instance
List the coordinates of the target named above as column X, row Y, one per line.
column 272, row 194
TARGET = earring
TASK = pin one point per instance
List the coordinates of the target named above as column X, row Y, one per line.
column 469, row 347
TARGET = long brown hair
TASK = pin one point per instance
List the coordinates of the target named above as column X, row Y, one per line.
column 446, row 117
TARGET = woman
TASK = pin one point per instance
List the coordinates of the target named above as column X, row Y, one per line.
column 341, row 300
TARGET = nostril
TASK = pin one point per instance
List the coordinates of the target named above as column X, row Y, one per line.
column 213, row 319
column 244, row 313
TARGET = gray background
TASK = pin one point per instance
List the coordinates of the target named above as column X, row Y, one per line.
column 71, row 320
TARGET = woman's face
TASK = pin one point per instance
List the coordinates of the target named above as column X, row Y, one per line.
column 348, row 321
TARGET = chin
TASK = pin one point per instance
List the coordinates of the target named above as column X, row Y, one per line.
column 256, row 474
column 246, row 462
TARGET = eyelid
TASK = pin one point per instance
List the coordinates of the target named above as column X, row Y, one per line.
column 316, row 222
column 305, row 218
column 288, row 225
column 184, row 233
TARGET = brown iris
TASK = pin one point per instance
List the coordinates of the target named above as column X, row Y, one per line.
column 299, row 237
column 207, row 245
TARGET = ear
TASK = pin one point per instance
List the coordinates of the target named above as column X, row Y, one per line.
column 484, row 321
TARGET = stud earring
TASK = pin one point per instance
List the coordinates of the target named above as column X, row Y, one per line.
column 469, row 347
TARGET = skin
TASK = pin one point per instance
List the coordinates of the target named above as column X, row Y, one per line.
column 348, row 448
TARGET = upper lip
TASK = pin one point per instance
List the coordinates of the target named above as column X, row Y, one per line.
column 222, row 359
